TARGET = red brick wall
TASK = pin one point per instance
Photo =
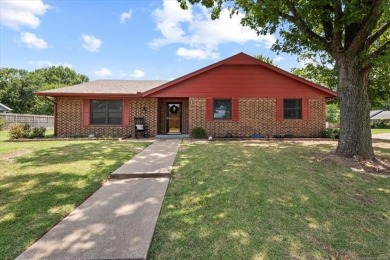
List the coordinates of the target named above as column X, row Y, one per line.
column 70, row 118
column 258, row 115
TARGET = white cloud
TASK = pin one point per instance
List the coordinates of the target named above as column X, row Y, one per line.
column 278, row 59
column 199, row 54
column 46, row 63
column 91, row 43
column 125, row 16
column 33, row 41
column 137, row 74
column 17, row 14
column 195, row 29
column 103, row 72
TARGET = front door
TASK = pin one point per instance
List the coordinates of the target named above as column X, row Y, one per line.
column 174, row 118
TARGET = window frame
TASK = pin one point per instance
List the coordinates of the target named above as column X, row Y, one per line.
column 300, row 109
column 230, row 108
column 106, row 112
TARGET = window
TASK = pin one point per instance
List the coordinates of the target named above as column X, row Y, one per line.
column 106, row 112
column 292, row 108
column 222, row 109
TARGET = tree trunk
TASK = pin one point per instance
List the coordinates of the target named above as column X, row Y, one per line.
column 355, row 132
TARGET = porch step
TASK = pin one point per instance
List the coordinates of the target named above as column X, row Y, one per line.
column 182, row 136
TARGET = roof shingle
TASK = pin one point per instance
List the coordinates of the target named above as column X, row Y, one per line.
column 116, row 87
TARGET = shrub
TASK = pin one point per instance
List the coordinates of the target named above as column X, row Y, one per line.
column 336, row 133
column 381, row 124
column 38, row 132
column 330, row 133
column 198, row 132
column 17, row 131
column 2, row 123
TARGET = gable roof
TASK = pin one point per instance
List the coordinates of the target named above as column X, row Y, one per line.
column 105, row 88
column 374, row 112
column 240, row 58
column 5, row 107
column 384, row 115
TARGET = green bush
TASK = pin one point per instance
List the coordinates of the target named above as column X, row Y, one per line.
column 38, row 132
column 198, row 132
column 330, row 133
column 381, row 124
column 336, row 133
column 16, row 131
column 2, row 123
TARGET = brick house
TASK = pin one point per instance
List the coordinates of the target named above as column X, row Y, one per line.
column 239, row 95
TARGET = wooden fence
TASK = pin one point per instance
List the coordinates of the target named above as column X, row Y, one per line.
column 32, row 120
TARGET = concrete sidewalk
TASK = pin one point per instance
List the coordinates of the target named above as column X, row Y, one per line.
column 154, row 161
column 118, row 220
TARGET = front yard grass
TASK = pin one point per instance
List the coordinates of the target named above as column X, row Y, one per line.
column 380, row 131
column 41, row 182
column 272, row 200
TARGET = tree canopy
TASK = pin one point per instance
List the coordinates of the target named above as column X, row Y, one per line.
column 17, row 87
column 325, row 74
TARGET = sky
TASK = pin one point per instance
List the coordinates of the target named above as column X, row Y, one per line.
column 124, row 39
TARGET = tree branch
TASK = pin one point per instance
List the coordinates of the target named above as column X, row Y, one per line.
column 327, row 23
column 296, row 19
column 371, row 19
column 380, row 51
column 370, row 40
column 337, row 30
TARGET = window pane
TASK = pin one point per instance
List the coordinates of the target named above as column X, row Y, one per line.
column 292, row 108
column 114, row 118
column 106, row 112
column 98, row 118
column 114, row 105
column 98, row 106
column 222, row 109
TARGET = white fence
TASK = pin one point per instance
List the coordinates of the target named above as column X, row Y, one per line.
column 32, row 120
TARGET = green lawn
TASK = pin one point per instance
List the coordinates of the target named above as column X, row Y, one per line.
column 272, row 200
column 41, row 182
column 380, row 131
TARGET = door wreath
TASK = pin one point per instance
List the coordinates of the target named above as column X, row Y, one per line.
column 174, row 109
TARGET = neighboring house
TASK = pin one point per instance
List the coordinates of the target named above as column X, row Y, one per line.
column 240, row 95
column 4, row 108
column 374, row 112
column 379, row 115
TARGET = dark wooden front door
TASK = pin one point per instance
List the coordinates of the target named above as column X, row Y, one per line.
column 174, row 118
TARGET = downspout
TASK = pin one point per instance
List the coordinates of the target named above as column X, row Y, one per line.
column 55, row 114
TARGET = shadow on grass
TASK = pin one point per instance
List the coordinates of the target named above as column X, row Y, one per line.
column 49, row 183
column 269, row 200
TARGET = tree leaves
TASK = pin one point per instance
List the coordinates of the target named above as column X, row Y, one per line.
column 17, row 87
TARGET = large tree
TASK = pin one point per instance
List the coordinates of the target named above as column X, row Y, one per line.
column 350, row 31
column 17, row 87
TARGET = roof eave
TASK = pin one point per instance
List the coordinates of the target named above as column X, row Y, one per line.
column 101, row 95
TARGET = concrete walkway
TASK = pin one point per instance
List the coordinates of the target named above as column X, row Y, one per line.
column 154, row 161
column 384, row 136
column 118, row 220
